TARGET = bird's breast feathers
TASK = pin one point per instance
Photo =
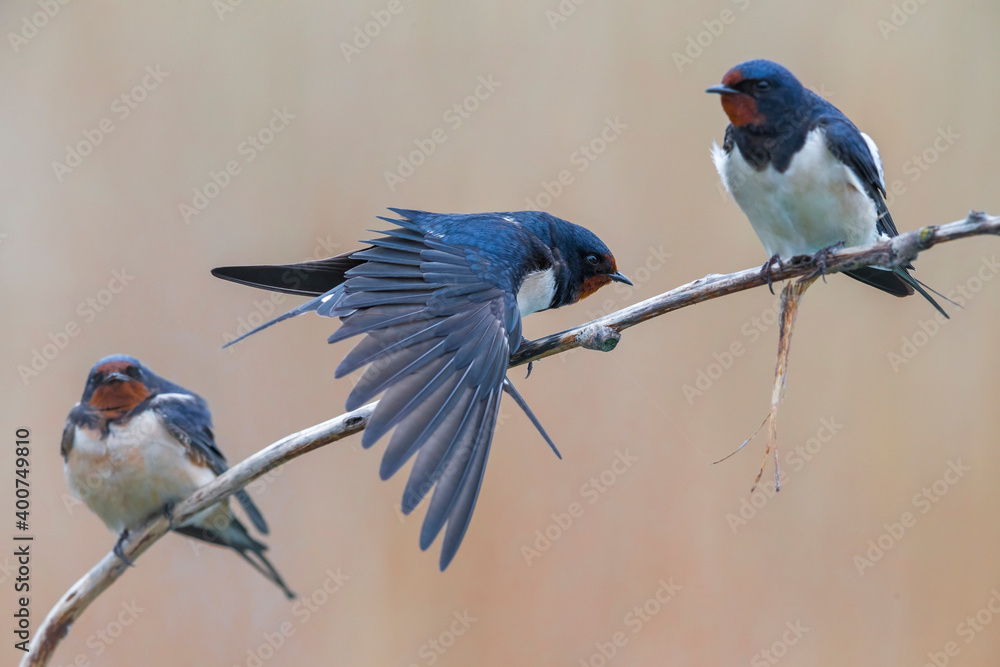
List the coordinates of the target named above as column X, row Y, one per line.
column 815, row 202
column 537, row 291
column 133, row 472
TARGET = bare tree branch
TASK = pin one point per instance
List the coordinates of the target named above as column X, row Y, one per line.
column 601, row 334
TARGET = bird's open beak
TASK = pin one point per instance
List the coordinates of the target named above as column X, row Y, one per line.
column 722, row 89
column 619, row 278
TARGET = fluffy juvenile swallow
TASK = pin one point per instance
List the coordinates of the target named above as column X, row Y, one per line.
column 136, row 444
column 803, row 174
column 441, row 298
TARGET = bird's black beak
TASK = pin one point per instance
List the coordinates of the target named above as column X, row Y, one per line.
column 619, row 278
column 115, row 377
column 723, row 89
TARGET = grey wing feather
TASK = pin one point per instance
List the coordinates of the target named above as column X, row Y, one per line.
column 438, row 348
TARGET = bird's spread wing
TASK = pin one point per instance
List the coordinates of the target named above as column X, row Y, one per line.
column 439, row 337
column 187, row 418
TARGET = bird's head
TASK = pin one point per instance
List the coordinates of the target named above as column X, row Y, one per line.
column 117, row 384
column 587, row 264
column 760, row 93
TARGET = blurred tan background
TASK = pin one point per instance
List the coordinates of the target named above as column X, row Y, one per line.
column 777, row 574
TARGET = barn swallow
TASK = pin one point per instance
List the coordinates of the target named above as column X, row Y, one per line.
column 136, row 444
column 441, row 298
column 805, row 176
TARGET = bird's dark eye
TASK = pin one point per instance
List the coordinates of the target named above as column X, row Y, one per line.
column 593, row 260
column 762, row 85
column 132, row 371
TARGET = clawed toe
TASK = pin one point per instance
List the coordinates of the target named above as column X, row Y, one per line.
column 168, row 511
column 821, row 257
column 766, row 271
column 119, row 551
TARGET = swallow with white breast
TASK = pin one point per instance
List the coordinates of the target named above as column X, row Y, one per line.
column 441, row 298
column 805, row 176
column 137, row 444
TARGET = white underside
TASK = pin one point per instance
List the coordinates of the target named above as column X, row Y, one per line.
column 536, row 292
column 817, row 202
column 133, row 473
